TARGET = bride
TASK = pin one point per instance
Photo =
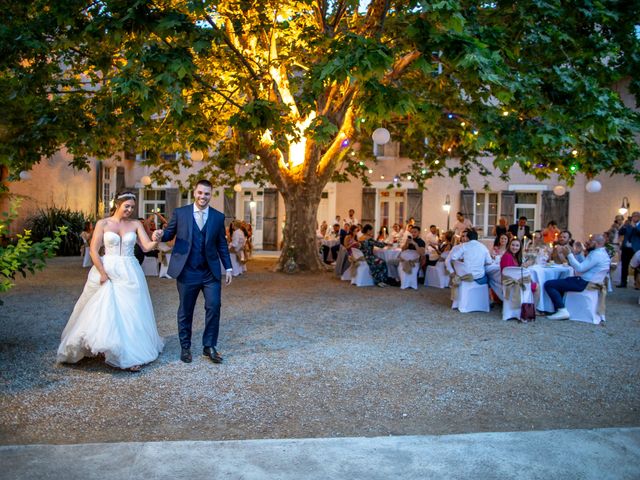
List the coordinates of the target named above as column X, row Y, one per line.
column 114, row 316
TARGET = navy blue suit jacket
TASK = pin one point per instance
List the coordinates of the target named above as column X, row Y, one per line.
column 181, row 227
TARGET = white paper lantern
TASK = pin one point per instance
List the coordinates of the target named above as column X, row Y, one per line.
column 25, row 175
column 559, row 190
column 197, row 156
column 237, row 187
column 381, row 136
column 146, row 180
column 593, row 186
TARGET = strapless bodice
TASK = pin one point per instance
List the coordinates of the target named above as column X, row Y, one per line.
column 114, row 245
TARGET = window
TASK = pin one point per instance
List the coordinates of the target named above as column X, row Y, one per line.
column 388, row 150
column 107, row 191
column 485, row 213
column 527, row 206
column 154, row 201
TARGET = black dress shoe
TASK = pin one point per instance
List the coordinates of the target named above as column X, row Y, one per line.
column 213, row 354
column 185, row 355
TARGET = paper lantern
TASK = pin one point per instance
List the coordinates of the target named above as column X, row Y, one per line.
column 593, row 186
column 381, row 136
column 237, row 187
column 197, row 156
column 146, row 180
column 559, row 190
column 24, row 175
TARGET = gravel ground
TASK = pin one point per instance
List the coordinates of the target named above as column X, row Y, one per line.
column 310, row 356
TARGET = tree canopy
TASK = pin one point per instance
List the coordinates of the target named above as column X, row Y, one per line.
column 282, row 91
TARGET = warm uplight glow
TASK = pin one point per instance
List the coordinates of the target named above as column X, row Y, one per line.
column 297, row 149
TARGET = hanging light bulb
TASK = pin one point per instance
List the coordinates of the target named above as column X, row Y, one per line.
column 25, row 175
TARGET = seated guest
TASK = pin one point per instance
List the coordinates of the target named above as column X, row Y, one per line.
column 521, row 229
column 513, row 258
column 414, row 242
column 334, row 234
column 343, row 232
column 383, row 235
column 593, row 267
column 578, row 250
column 562, row 248
column 474, row 255
column 551, row 233
column 395, row 233
column 500, row 245
column 446, row 242
column 501, row 228
column 432, row 239
column 351, row 240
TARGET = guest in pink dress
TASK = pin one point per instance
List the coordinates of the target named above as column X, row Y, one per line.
column 513, row 258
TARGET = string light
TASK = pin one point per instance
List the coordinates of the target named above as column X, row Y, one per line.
column 574, row 153
column 573, row 168
column 505, row 114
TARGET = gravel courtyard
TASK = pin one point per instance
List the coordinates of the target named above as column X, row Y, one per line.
column 310, row 356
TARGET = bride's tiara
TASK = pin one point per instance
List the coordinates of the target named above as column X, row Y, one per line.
column 126, row 195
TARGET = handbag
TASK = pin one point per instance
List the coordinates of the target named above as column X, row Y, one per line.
column 527, row 308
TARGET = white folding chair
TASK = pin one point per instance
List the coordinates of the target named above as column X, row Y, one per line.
column 164, row 266
column 362, row 276
column 436, row 276
column 583, row 306
column 150, row 266
column 472, row 297
column 512, row 302
column 409, row 259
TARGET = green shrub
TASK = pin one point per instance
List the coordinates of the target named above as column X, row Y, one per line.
column 21, row 254
column 45, row 222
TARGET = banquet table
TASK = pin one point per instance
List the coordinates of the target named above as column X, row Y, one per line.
column 543, row 273
column 329, row 243
column 495, row 277
column 387, row 254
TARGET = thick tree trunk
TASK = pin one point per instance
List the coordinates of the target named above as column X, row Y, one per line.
column 301, row 210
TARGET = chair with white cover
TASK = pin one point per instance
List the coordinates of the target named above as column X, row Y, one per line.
column 516, row 288
column 436, row 276
column 409, row 263
column 150, row 266
column 590, row 304
column 236, row 252
column 360, row 273
column 342, row 264
column 466, row 293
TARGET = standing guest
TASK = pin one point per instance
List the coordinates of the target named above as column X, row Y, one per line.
column 500, row 228
column 461, row 224
column 635, row 264
column 596, row 263
column 85, row 235
column 351, row 218
column 474, row 255
column 199, row 249
column 614, row 235
column 521, row 230
column 500, row 245
column 377, row 266
column 630, row 243
column 550, row 234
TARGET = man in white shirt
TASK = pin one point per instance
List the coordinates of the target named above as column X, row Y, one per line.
column 593, row 269
column 462, row 224
column 351, row 219
column 474, row 254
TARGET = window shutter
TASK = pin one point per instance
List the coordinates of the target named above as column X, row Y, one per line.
column 368, row 206
column 555, row 208
column 172, row 197
column 119, row 179
column 466, row 204
column 507, row 206
column 230, row 208
column 270, row 219
column 414, row 205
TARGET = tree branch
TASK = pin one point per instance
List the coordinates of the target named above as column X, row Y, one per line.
column 374, row 21
column 400, row 66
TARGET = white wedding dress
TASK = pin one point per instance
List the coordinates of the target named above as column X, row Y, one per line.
column 115, row 318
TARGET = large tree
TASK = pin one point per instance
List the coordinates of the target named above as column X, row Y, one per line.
column 282, row 91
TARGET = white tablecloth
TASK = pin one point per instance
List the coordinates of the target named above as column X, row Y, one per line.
column 387, row 254
column 542, row 273
column 332, row 242
column 495, row 278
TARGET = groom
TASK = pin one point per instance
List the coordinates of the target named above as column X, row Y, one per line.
column 195, row 262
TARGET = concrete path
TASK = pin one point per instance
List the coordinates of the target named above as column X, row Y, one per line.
column 612, row 453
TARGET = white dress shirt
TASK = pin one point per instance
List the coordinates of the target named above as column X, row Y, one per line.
column 475, row 256
column 431, row 239
column 460, row 227
column 205, row 214
column 594, row 268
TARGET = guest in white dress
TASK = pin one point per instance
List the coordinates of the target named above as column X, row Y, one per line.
column 114, row 316
column 85, row 235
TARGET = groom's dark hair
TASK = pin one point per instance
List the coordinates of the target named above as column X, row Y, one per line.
column 204, row 182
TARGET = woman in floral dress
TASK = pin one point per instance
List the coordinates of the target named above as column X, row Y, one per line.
column 377, row 266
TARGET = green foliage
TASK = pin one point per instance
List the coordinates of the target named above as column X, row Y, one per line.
column 45, row 222
column 23, row 254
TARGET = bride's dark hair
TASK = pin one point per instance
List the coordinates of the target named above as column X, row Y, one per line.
column 122, row 197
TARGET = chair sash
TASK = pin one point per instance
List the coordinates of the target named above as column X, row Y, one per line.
column 511, row 287
column 407, row 265
column 355, row 262
column 162, row 257
column 455, row 281
column 602, row 295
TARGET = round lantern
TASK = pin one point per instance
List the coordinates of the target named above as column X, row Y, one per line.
column 237, row 187
column 25, row 175
column 381, row 136
column 197, row 156
column 559, row 190
column 146, row 180
column 593, row 186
